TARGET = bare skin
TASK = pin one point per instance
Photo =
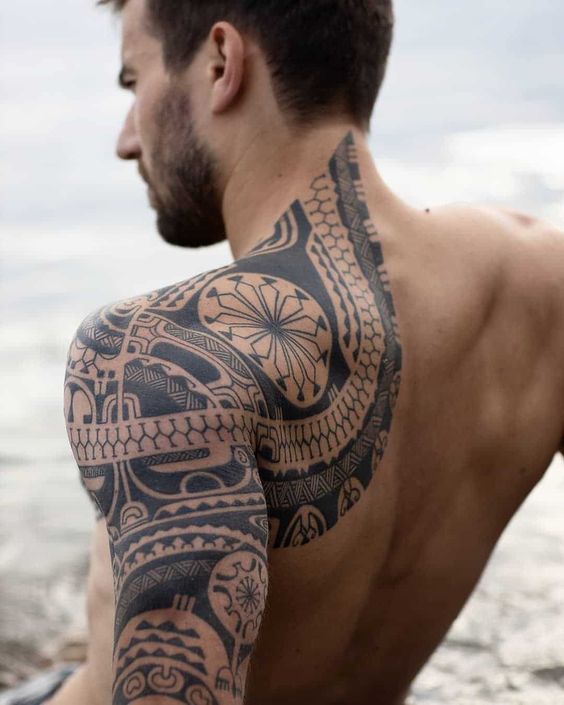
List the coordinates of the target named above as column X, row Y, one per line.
column 385, row 384
column 480, row 417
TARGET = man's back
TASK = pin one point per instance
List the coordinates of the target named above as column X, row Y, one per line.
column 400, row 380
column 354, row 615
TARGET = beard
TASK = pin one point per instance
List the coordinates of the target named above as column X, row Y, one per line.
column 184, row 179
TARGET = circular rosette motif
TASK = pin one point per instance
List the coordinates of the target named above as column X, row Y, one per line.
column 237, row 591
column 276, row 324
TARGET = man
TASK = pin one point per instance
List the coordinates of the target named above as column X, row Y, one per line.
column 302, row 461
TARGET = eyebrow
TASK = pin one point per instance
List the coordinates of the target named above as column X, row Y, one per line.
column 125, row 76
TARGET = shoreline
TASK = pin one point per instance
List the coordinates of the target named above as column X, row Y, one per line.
column 504, row 647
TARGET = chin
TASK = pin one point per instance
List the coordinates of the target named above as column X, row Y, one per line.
column 187, row 232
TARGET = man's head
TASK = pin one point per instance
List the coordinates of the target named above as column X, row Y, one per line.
column 210, row 74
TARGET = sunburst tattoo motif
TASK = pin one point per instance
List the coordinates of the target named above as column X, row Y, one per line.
column 277, row 325
column 248, row 595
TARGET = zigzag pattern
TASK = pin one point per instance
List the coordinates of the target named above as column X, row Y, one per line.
column 210, row 345
column 157, row 576
column 156, row 378
column 284, row 494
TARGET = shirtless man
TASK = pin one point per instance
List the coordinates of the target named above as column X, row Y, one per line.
column 304, row 460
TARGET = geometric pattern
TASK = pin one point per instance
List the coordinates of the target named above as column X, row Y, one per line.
column 168, row 394
column 162, row 574
column 278, row 326
column 250, row 406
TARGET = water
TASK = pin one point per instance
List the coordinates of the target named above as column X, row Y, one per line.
column 454, row 124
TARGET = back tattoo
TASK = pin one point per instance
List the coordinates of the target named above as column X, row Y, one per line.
column 246, row 407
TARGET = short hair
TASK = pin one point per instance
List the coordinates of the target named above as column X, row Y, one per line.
column 324, row 55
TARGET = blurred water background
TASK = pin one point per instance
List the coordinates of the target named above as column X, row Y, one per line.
column 473, row 110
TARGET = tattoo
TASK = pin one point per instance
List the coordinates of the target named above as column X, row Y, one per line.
column 248, row 407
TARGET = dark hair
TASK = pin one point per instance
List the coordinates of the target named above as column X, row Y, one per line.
column 324, row 54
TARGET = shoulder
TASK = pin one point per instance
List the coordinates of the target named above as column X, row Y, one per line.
column 528, row 254
column 534, row 252
column 236, row 338
column 157, row 355
column 505, row 241
column 515, row 229
column 505, row 223
column 494, row 265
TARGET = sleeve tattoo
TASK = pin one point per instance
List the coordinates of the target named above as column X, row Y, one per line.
column 169, row 463
column 288, row 363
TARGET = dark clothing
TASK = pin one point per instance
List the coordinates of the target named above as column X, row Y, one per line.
column 38, row 690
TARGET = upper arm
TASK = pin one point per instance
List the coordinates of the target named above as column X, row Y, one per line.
column 165, row 448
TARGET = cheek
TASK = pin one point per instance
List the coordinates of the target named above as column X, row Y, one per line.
column 146, row 122
column 144, row 125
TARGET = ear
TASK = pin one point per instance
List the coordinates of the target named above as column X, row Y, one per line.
column 227, row 66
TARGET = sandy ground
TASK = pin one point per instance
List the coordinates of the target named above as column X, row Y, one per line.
column 507, row 646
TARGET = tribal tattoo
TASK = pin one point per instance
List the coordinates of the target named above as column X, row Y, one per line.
column 242, row 411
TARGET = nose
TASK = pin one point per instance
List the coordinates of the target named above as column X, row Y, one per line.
column 128, row 145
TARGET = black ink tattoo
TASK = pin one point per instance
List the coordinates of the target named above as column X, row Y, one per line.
column 248, row 407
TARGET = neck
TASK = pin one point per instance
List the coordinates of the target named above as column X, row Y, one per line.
column 273, row 171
